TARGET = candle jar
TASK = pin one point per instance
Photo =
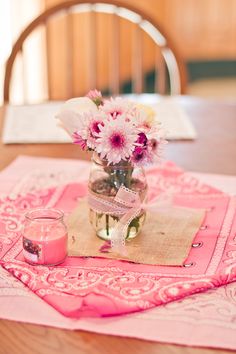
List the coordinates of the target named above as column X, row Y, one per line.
column 44, row 237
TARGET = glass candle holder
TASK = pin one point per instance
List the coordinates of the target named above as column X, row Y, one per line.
column 44, row 237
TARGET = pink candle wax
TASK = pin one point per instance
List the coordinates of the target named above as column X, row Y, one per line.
column 45, row 237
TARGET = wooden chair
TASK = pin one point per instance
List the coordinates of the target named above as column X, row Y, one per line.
column 168, row 62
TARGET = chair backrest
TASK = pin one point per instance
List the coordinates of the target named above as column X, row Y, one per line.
column 167, row 62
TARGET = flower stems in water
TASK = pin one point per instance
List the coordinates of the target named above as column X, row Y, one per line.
column 106, row 185
column 107, row 225
column 120, row 175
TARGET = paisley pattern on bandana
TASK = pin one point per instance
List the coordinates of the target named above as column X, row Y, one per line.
column 103, row 287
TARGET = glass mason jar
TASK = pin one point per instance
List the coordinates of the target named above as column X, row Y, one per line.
column 44, row 237
column 105, row 181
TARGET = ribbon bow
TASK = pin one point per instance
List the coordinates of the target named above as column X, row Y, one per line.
column 127, row 205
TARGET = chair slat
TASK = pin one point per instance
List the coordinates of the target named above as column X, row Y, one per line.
column 48, row 59
column 174, row 73
column 137, row 72
column 69, row 54
column 160, row 73
column 92, row 67
column 115, row 57
column 24, row 76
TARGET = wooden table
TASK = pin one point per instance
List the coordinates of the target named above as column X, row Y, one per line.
column 214, row 152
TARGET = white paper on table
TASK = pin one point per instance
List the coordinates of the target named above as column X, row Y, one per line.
column 174, row 119
column 33, row 124
column 37, row 123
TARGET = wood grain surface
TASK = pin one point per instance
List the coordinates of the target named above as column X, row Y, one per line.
column 214, row 152
column 20, row 338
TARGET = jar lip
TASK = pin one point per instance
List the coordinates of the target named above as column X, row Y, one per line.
column 97, row 160
column 44, row 215
column 103, row 162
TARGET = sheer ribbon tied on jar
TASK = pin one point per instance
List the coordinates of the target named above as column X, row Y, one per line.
column 126, row 205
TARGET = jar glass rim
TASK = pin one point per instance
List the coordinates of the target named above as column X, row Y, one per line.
column 44, row 215
column 104, row 163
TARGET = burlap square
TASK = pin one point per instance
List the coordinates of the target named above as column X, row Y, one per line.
column 165, row 239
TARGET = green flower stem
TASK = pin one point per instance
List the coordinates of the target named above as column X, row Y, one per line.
column 119, row 175
column 107, row 224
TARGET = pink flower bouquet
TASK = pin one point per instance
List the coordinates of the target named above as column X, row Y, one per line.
column 124, row 137
column 116, row 129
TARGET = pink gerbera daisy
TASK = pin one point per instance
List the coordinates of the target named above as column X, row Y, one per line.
column 140, row 156
column 94, row 128
column 116, row 140
column 87, row 129
column 117, row 106
column 77, row 139
column 155, row 148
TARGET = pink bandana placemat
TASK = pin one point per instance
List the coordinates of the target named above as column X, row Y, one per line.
column 204, row 319
column 101, row 287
